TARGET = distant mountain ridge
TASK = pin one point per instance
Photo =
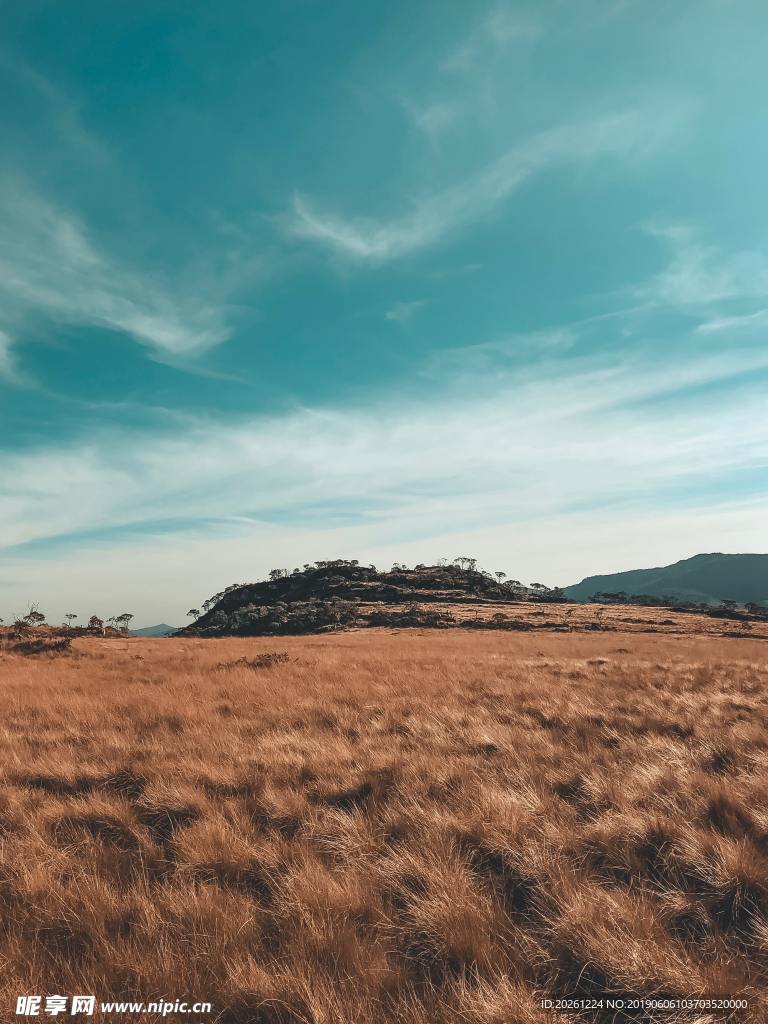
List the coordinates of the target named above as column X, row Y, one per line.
column 162, row 629
column 709, row 578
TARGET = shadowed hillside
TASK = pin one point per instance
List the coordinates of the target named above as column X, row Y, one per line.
column 707, row 578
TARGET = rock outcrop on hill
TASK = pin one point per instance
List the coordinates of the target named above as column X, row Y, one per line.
column 338, row 594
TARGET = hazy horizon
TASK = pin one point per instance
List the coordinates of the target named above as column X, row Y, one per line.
column 391, row 283
column 175, row 616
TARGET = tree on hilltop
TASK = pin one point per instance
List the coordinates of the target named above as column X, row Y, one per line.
column 70, row 617
column 466, row 563
column 194, row 613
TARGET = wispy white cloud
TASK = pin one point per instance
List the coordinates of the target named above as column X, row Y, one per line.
column 702, row 275
column 454, row 102
column 429, row 219
column 500, row 27
column 486, row 359
column 57, row 120
column 433, row 119
column 7, row 363
column 516, row 444
column 404, row 310
column 523, row 453
column 748, row 321
column 50, row 267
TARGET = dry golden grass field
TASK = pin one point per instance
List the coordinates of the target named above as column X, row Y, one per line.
column 596, row 618
column 407, row 826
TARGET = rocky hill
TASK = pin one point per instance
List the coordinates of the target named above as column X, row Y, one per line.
column 337, row 594
column 708, row 578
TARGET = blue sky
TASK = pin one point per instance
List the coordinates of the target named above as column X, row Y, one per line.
column 390, row 281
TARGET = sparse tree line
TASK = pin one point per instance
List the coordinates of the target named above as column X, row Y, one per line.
column 727, row 607
column 35, row 619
